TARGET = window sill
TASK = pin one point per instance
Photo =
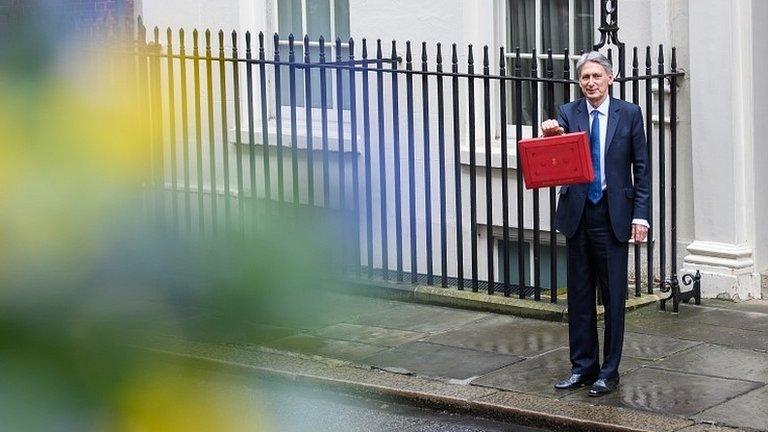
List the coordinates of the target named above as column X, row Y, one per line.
column 527, row 132
column 496, row 160
column 301, row 135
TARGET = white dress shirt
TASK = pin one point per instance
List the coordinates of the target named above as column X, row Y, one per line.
column 603, row 110
column 603, row 115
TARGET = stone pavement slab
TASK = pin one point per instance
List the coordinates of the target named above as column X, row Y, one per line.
column 653, row 321
column 670, row 392
column 338, row 374
column 506, row 335
column 322, row 310
column 419, row 318
column 754, row 305
column 714, row 360
column 652, row 347
column 332, row 348
column 537, row 375
column 686, row 326
column 731, row 337
column 214, row 329
column 749, row 410
column 434, row 360
column 735, row 318
column 369, row 335
column 251, row 333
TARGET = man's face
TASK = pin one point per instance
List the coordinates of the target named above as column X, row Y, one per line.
column 594, row 82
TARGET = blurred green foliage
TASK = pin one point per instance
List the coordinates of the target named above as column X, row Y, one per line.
column 86, row 274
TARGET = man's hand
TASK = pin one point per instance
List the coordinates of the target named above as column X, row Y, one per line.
column 639, row 233
column 551, row 128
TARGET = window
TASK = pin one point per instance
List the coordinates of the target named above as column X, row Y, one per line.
column 327, row 18
column 545, row 260
column 544, row 24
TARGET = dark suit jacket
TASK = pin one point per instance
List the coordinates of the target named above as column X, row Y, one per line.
column 626, row 157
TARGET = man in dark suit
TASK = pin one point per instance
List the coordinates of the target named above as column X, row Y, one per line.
column 598, row 219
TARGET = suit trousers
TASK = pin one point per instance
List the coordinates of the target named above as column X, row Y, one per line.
column 596, row 259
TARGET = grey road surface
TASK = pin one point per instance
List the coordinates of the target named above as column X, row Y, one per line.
column 286, row 407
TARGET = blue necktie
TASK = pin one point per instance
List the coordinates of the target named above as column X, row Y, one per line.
column 595, row 191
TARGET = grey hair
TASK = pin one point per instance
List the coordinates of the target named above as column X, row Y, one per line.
column 594, row 56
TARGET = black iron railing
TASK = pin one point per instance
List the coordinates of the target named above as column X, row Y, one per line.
column 384, row 187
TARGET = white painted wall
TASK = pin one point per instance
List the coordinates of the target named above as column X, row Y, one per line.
column 759, row 115
column 723, row 131
column 718, row 184
column 200, row 14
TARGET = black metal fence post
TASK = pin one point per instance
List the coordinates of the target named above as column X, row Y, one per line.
column 185, row 132
column 367, row 157
column 158, row 144
column 309, row 139
column 294, row 131
column 456, row 119
column 442, row 168
column 252, row 127
column 224, row 135
column 324, row 124
column 662, row 172
column 536, row 194
column 504, row 171
column 673, row 178
column 472, row 165
column 143, row 99
column 355, row 162
column 411, row 161
column 278, row 126
column 211, row 134
column 566, row 97
column 396, row 160
column 636, row 101
column 550, row 107
column 198, row 133
column 488, row 168
column 340, row 126
column 427, row 164
column 172, row 129
column 672, row 284
column 649, row 139
column 382, row 161
column 521, row 255
column 264, row 133
column 340, row 155
column 518, row 116
column 238, row 135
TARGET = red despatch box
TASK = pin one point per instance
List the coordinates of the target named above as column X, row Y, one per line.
column 556, row 160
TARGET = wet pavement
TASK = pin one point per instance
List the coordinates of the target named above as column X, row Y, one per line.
column 288, row 407
column 708, row 364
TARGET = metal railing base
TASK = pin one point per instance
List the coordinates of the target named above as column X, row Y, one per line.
column 677, row 296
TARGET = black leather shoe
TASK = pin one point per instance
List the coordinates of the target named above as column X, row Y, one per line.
column 603, row 386
column 575, row 381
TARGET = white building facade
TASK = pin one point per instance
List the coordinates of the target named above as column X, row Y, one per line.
column 721, row 45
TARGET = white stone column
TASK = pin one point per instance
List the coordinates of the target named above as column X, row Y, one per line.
column 722, row 129
column 760, row 161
